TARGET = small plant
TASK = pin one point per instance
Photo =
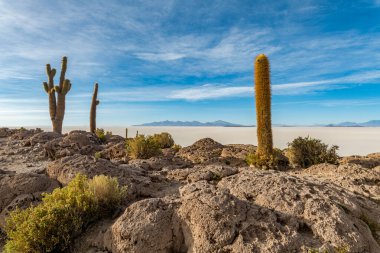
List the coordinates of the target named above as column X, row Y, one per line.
column 98, row 155
column 304, row 152
column 164, row 140
column 277, row 160
column 52, row 225
column 339, row 249
column 107, row 192
column 101, row 134
column 142, row 147
column 176, row 147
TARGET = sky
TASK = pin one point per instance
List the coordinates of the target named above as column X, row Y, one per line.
column 191, row 60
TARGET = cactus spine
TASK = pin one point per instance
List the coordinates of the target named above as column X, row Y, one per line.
column 263, row 106
column 57, row 103
column 94, row 103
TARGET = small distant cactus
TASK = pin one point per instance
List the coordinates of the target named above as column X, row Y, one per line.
column 57, row 103
column 94, row 104
column 263, row 106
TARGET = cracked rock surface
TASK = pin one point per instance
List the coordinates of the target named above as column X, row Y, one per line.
column 202, row 198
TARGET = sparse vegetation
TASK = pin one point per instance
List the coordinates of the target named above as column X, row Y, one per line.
column 164, row 140
column 304, row 152
column 101, row 134
column 142, row 147
column 176, row 147
column 98, row 155
column 339, row 249
column 62, row 215
column 107, row 192
column 277, row 160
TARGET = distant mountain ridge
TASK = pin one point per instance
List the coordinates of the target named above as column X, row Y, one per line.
column 371, row 123
column 192, row 123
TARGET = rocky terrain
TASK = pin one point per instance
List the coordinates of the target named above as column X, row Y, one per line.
column 202, row 198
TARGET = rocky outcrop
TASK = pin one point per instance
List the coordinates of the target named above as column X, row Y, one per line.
column 21, row 190
column 159, row 230
column 208, row 151
column 202, row 198
column 140, row 183
column 6, row 132
column 76, row 142
column 162, row 163
column 370, row 161
column 22, row 134
column 65, row 169
column 250, row 212
column 201, row 151
column 115, row 152
column 41, row 138
column 351, row 177
column 211, row 173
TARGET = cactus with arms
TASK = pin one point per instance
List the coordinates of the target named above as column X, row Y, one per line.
column 263, row 106
column 94, row 104
column 57, row 103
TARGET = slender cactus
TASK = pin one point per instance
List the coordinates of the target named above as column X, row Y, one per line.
column 57, row 103
column 263, row 106
column 94, row 103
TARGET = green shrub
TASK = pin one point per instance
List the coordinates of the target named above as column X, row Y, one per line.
column 176, row 147
column 142, row 147
column 101, row 134
column 164, row 140
column 277, row 160
column 98, row 155
column 107, row 192
column 62, row 215
column 304, row 152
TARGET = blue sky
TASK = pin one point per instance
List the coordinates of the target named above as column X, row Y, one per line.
column 191, row 60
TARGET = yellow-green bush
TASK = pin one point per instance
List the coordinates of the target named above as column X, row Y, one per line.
column 176, row 147
column 107, row 192
column 101, row 134
column 304, row 152
column 277, row 160
column 62, row 215
column 142, row 147
column 164, row 140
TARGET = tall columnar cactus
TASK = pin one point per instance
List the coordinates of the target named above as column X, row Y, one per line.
column 94, row 103
column 57, row 103
column 263, row 106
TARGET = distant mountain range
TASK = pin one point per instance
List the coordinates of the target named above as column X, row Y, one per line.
column 221, row 123
column 192, row 123
column 371, row 123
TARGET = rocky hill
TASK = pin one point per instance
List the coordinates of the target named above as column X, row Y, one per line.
column 202, row 198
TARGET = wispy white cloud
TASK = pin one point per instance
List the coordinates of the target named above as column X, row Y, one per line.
column 172, row 52
column 210, row 92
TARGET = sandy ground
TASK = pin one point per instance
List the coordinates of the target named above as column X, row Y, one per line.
column 351, row 140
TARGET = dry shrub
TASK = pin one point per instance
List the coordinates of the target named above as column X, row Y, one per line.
column 52, row 225
column 304, row 152
column 142, row 147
